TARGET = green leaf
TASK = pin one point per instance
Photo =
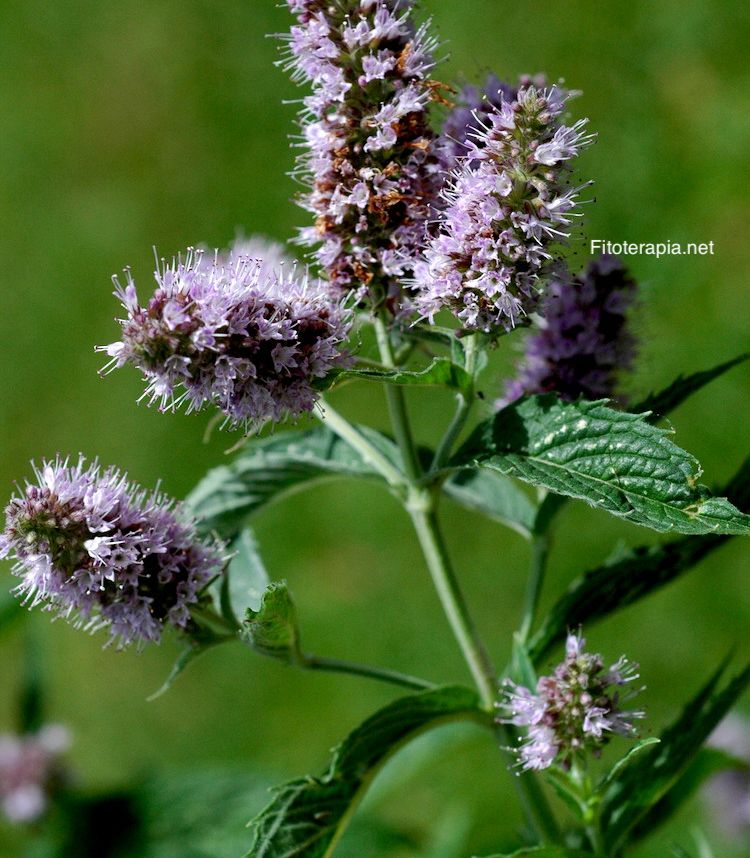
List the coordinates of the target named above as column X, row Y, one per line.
column 521, row 668
column 613, row 586
column 655, row 407
column 440, row 373
column 561, row 783
column 626, row 760
column 611, row 459
column 306, row 817
column 245, row 579
column 631, row 576
column 545, row 852
column 272, row 629
column 707, row 763
column 661, row 403
column 495, row 496
column 271, row 468
column 645, row 782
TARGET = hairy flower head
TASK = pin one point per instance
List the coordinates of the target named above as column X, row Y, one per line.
column 584, row 341
column 368, row 153
column 508, row 207
column 237, row 332
column 573, row 711
column 102, row 552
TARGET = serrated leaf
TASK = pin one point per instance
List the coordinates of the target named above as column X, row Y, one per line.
column 611, row 587
column 245, row 579
column 613, row 460
column 270, row 468
column 272, row 630
column 629, row 577
column 661, row 403
column 644, row 783
column 707, row 763
column 495, row 496
column 654, row 408
column 544, row 852
column 440, row 373
column 307, row 816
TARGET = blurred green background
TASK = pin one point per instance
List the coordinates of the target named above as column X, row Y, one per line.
column 131, row 124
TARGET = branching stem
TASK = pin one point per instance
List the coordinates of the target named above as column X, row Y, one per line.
column 335, row 665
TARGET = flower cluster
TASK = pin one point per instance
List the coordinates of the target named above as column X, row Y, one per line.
column 573, row 711
column 369, row 153
column 249, row 336
column 29, row 768
column 507, row 207
column 584, row 340
column 93, row 547
column 475, row 103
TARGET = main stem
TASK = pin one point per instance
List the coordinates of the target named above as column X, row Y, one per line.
column 420, row 508
column 420, row 504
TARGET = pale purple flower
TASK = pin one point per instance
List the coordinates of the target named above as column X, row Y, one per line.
column 103, row 553
column 271, row 256
column 507, row 211
column 473, row 105
column 29, row 769
column 573, row 711
column 584, row 342
column 240, row 333
column 728, row 793
column 369, row 155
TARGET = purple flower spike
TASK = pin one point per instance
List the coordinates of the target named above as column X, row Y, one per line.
column 369, row 156
column 574, row 711
column 247, row 335
column 104, row 553
column 584, row 341
column 507, row 209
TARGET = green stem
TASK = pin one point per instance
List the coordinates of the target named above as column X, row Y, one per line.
column 335, row 665
column 397, row 404
column 420, row 508
column 540, row 546
column 463, row 409
column 344, row 429
column 580, row 776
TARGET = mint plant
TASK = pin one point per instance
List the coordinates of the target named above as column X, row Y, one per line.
column 440, row 227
